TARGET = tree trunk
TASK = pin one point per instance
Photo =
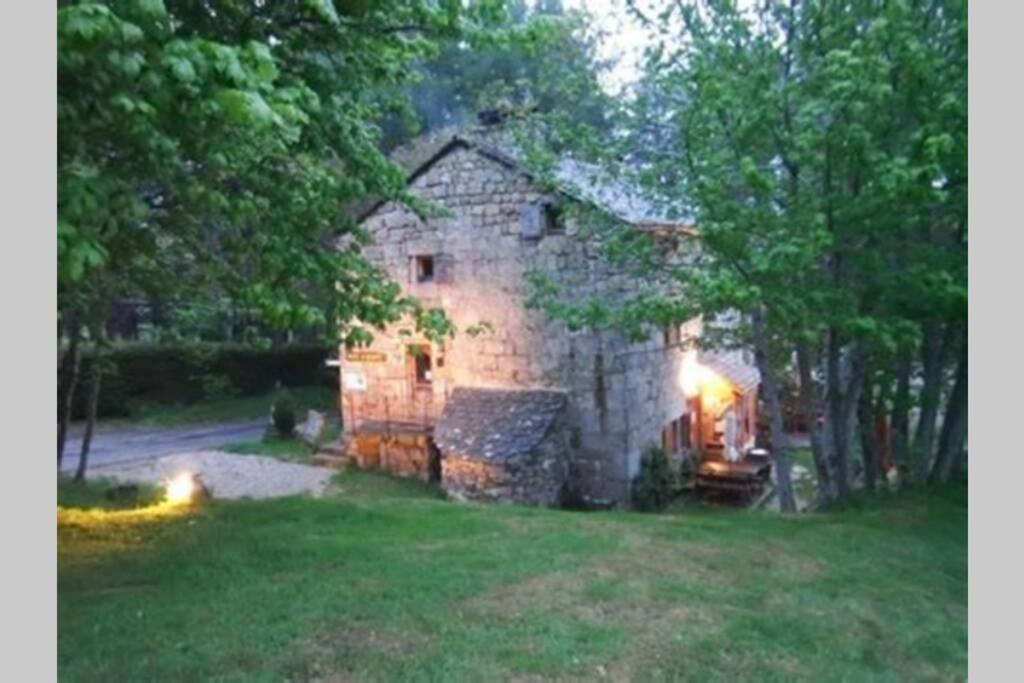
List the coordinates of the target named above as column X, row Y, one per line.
column 899, row 423
column 854, row 372
column 870, row 455
column 780, row 442
column 810, row 406
column 836, row 420
column 94, row 400
column 934, row 349
column 882, row 434
column 954, row 426
column 71, row 366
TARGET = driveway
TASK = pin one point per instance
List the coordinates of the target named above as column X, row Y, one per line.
column 117, row 446
column 227, row 475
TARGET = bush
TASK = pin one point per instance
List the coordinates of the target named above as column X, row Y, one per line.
column 283, row 414
column 183, row 374
column 654, row 484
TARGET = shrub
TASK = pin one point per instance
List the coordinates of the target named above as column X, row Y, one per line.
column 283, row 414
column 654, row 484
column 183, row 374
column 218, row 385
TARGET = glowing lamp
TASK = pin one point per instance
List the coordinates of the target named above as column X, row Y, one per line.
column 693, row 376
column 181, row 489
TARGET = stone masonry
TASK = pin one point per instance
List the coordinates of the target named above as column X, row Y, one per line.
column 619, row 394
column 500, row 444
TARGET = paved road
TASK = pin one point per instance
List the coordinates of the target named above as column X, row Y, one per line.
column 121, row 446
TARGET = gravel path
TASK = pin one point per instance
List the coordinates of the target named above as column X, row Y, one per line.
column 226, row 475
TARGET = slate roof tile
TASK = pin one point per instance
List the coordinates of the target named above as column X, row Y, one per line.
column 496, row 424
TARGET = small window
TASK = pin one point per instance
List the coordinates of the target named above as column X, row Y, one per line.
column 554, row 223
column 538, row 220
column 422, row 363
column 424, row 269
column 672, row 335
column 675, row 436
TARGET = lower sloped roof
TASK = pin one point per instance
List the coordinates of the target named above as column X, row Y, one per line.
column 496, row 424
column 743, row 376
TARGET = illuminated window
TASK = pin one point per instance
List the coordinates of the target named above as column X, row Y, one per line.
column 422, row 365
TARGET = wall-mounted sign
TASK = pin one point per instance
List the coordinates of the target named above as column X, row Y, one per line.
column 353, row 381
column 364, row 356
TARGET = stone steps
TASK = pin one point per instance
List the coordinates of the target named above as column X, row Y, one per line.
column 332, row 455
column 332, row 461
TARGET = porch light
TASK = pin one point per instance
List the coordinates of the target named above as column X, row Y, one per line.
column 696, row 379
column 693, row 376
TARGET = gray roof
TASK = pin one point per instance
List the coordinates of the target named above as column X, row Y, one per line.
column 578, row 179
column 603, row 187
column 496, row 424
column 616, row 195
column 731, row 366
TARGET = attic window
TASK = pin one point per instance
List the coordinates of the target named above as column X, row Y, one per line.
column 553, row 219
column 423, row 269
column 538, row 220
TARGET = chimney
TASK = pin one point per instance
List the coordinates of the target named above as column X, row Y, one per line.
column 493, row 116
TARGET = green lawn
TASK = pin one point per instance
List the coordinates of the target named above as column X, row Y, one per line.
column 384, row 580
column 93, row 495
column 229, row 409
column 292, row 450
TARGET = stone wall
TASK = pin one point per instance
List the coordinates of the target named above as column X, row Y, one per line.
column 401, row 454
column 621, row 394
column 407, row 455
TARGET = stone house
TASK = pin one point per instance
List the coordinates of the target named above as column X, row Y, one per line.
column 528, row 410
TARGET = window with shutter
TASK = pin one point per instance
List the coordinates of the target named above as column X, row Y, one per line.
column 531, row 226
column 444, row 268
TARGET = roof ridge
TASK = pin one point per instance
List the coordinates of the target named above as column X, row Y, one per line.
column 615, row 196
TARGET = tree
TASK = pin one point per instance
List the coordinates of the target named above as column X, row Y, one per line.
column 207, row 152
column 820, row 149
column 538, row 57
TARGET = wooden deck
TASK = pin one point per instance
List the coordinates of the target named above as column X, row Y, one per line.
column 748, row 475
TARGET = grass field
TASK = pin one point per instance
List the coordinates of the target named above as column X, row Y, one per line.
column 289, row 450
column 384, row 580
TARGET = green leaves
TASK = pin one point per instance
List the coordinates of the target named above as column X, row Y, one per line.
column 324, row 9
column 77, row 254
column 85, row 21
column 151, row 8
column 817, row 145
column 182, row 68
column 247, row 108
column 207, row 153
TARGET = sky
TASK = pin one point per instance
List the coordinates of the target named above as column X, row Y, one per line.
column 623, row 38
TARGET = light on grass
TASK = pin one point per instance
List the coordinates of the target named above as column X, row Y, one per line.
column 181, row 489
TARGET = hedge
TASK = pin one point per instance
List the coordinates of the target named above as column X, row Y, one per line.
column 188, row 373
